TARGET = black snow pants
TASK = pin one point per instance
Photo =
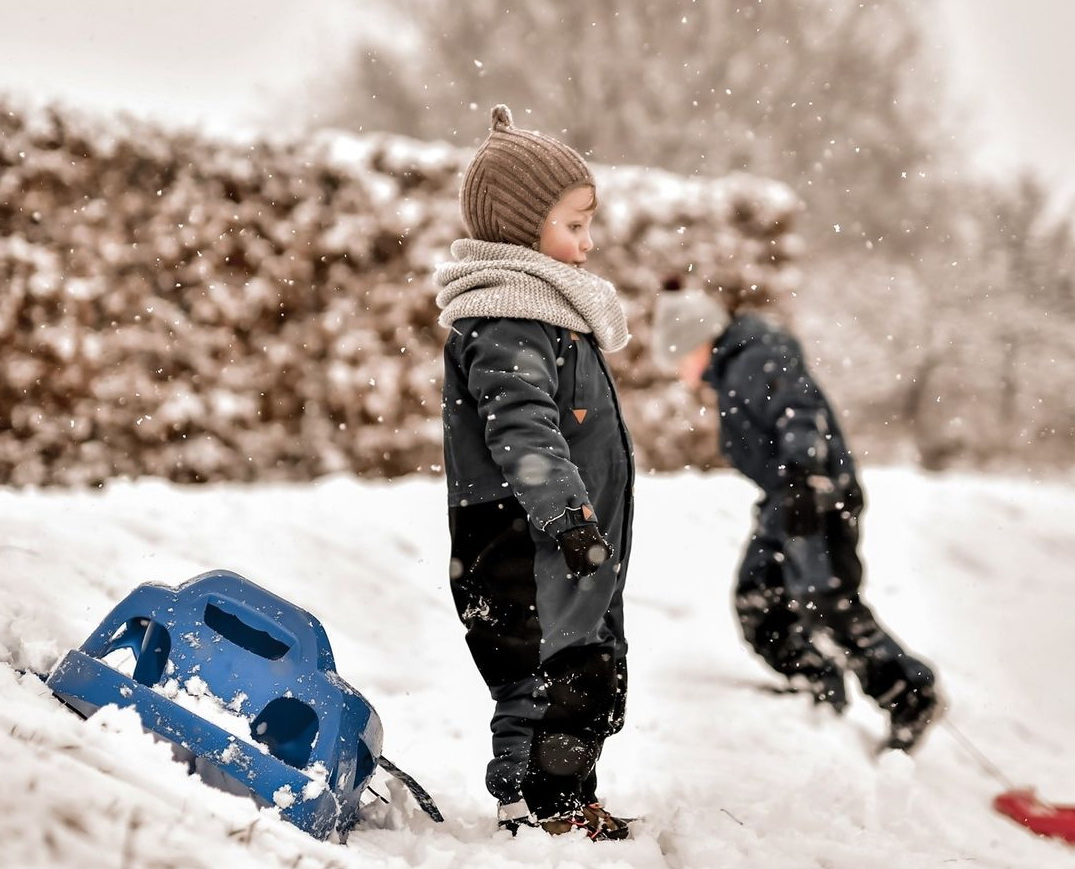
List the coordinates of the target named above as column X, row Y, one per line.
column 783, row 630
column 555, row 704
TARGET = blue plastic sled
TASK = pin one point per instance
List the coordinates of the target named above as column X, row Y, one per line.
column 314, row 742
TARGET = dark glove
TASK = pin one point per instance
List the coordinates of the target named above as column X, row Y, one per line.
column 853, row 501
column 801, row 515
column 585, row 550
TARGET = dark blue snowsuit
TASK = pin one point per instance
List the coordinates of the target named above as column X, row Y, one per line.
column 535, row 444
column 778, row 428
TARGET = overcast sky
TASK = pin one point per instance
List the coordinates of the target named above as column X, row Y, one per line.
column 219, row 63
column 1015, row 59
column 222, row 63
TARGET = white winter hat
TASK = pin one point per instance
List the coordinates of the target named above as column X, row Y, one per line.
column 684, row 319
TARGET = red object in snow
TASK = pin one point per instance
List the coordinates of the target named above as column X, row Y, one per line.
column 1045, row 819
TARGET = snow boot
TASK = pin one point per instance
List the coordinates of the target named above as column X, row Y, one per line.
column 512, row 816
column 912, row 708
column 823, row 680
column 593, row 819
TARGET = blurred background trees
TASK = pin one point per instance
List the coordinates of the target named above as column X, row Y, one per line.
column 936, row 302
column 185, row 307
column 198, row 310
column 837, row 100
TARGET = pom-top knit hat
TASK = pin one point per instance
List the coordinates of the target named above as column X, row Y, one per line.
column 514, row 180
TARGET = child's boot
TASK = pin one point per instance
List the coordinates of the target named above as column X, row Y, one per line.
column 910, row 715
column 512, row 816
column 592, row 819
column 913, row 703
column 824, row 679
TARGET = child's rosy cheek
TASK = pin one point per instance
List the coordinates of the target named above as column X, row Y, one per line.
column 694, row 364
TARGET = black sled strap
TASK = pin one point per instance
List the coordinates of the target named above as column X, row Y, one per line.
column 417, row 791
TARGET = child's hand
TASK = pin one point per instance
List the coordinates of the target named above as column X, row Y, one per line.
column 585, row 550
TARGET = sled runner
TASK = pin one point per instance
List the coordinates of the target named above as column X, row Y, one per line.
column 281, row 722
column 1045, row 819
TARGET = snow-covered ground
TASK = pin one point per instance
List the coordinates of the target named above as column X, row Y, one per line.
column 973, row 572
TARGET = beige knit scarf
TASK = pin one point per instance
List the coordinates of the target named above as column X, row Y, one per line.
column 489, row 279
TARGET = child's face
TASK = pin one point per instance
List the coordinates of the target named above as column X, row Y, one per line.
column 566, row 233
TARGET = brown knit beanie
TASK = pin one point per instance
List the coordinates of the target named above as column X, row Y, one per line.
column 514, row 180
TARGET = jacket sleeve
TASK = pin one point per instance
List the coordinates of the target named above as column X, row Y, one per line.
column 512, row 374
column 773, row 383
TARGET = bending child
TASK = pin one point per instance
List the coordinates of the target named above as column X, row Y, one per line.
column 801, row 576
column 540, row 473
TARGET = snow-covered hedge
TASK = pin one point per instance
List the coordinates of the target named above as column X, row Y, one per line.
column 199, row 310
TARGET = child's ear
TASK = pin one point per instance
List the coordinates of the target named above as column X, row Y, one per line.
column 694, row 364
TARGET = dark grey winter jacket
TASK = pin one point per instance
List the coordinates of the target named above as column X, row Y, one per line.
column 530, row 411
column 774, row 419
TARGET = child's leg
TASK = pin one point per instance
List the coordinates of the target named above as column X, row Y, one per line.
column 492, row 581
column 580, row 691
column 773, row 626
column 550, row 718
column 885, row 670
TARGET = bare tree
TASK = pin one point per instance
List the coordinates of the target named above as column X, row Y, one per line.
column 835, row 99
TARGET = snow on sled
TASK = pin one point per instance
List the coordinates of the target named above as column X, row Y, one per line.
column 1023, row 807
column 244, row 681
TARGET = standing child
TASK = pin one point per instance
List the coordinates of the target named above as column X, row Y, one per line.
column 540, row 474
column 800, row 577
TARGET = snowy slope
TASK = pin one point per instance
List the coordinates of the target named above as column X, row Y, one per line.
column 973, row 572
